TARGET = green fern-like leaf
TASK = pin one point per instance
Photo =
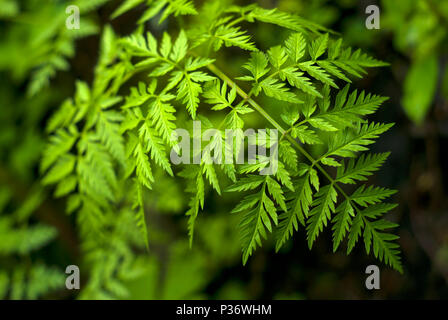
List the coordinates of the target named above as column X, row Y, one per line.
column 110, row 144
column 323, row 207
column 298, row 210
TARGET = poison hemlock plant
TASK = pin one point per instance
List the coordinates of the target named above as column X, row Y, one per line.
column 110, row 141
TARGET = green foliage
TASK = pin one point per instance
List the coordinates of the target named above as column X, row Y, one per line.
column 109, row 138
column 17, row 239
column 25, row 237
column 420, row 32
column 420, row 88
column 183, row 73
column 108, row 152
column 163, row 7
column 260, row 212
column 48, row 43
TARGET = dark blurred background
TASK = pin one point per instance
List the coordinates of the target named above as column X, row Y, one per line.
column 412, row 37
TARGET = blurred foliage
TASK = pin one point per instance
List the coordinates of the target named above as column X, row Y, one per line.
column 420, row 30
column 37, row 241
column 38, row 29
